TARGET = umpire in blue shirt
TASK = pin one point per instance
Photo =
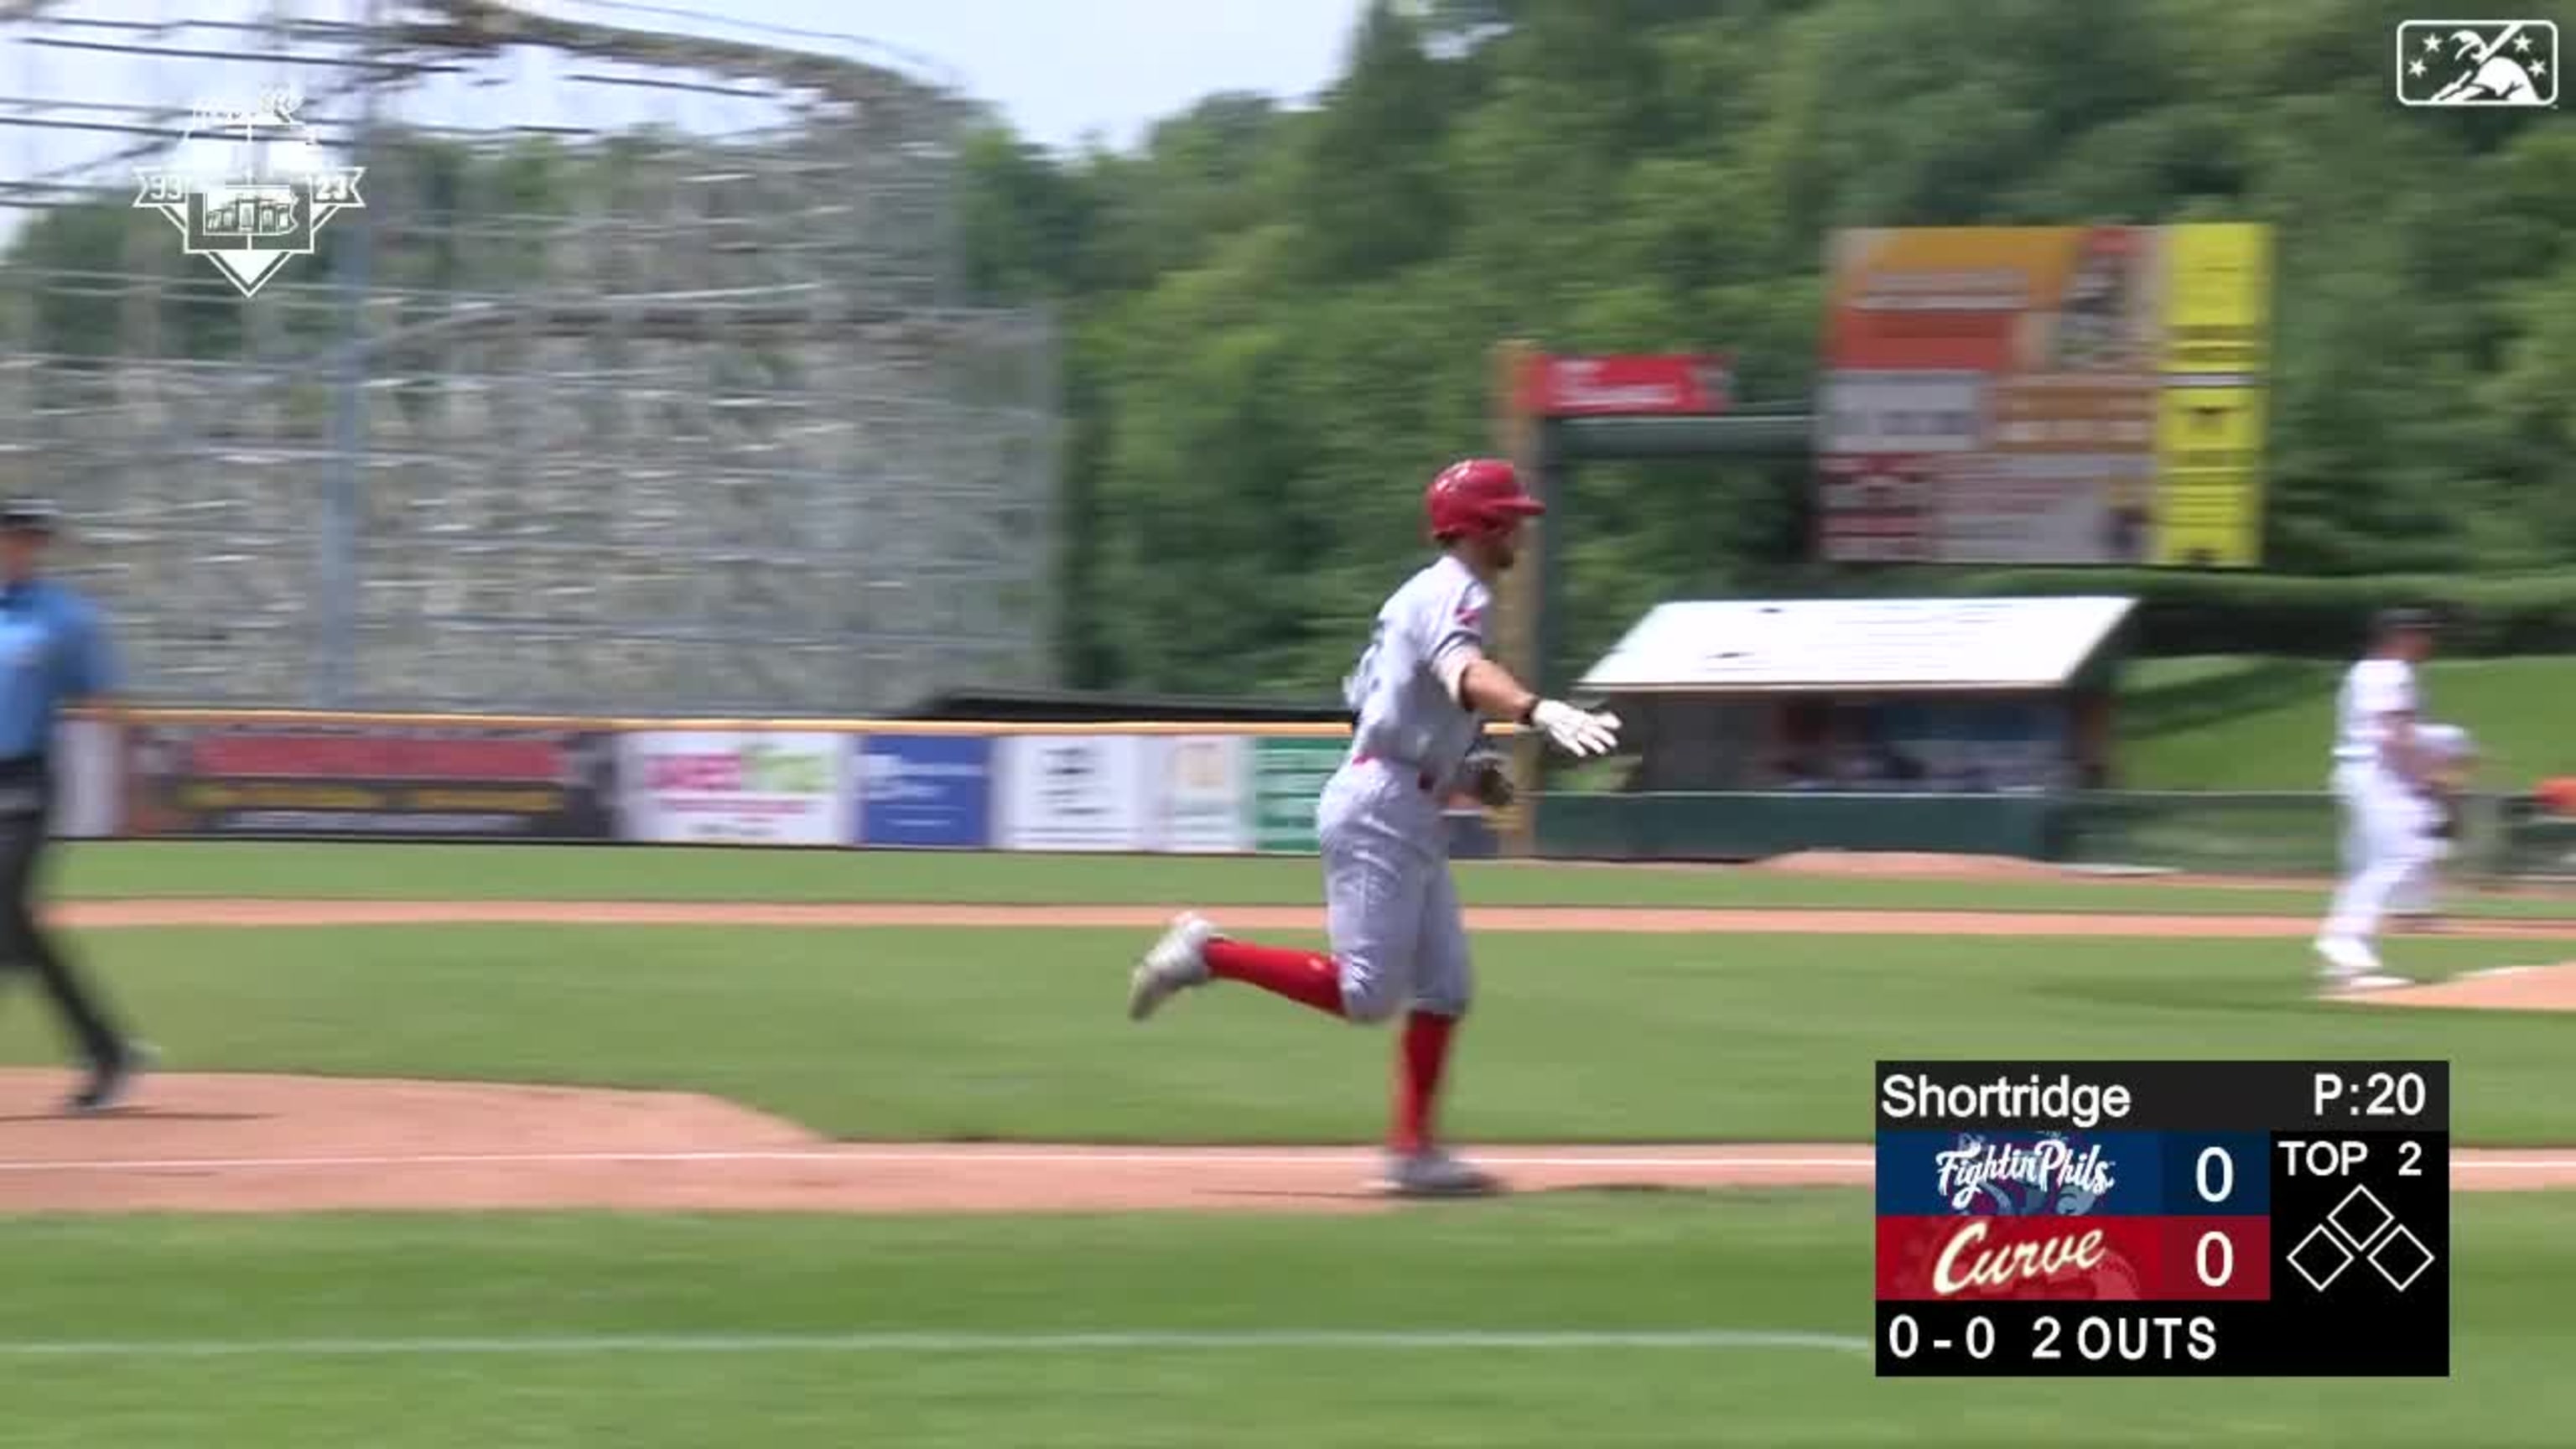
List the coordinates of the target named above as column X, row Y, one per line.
column 53, row 651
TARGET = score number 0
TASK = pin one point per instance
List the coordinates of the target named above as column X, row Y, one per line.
column 1904, row 1336
column 2201, row 1177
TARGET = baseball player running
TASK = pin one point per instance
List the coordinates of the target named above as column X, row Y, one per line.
column 2384, row 782
column 1398, row 939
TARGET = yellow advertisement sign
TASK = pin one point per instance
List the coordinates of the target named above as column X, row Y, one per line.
column 2210, row 423
column 2217, row 301
column 2209, row 478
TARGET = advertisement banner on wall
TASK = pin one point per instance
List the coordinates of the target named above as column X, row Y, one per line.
column 311, row 779
column 753, row 787
column 1288, row 775
column 1073, row 792
column 1200, row 785
column 1573, row 387
column 2209, row 437
column 925, row 792
column 2019, row 395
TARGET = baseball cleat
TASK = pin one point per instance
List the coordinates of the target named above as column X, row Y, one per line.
column 112, row 1082
column 1433, row 1173
column 2346, row 958
column 1177, row 963
column 2367, row 981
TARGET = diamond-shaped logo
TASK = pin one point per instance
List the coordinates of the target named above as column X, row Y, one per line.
column 2360, row 1217
column 250, row 202
column 2401, row 1258
column 2320, row 1259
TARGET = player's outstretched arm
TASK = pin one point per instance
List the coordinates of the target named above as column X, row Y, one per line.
column 1489, row 689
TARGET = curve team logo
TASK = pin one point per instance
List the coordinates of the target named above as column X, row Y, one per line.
column 2052, row 1174
column 249, row 188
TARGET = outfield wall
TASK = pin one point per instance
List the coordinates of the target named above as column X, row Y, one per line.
column 1145, row 787
column 908, row 784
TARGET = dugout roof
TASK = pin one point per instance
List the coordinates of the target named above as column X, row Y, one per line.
column 1909, row 646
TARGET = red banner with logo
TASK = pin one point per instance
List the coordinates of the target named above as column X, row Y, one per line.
column 336, row 780
column 2094, row 1256
column 1679, row 385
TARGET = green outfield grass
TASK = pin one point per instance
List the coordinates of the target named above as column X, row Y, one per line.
column 1569, row 1265
column 2244, row 722
column 282, row 869
column 685, row 1331
column 1021, row 1033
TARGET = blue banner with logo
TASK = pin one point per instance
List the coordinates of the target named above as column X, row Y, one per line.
column 2020, row 1174
column 926, row 791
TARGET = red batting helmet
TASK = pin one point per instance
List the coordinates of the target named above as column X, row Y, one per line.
column 1477, row 495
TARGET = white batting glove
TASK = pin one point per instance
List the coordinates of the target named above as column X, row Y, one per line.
column 1577, row 732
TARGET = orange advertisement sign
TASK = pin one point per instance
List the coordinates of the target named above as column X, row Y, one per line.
column 1999, row 394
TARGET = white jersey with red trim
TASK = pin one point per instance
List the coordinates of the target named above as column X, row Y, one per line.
column 1402, row 712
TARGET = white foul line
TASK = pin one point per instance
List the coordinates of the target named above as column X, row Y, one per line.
column 1212, row 1157
column 1141, row 1157
column 932, row 1342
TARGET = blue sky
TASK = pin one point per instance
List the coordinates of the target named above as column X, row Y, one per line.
column 1060, row 68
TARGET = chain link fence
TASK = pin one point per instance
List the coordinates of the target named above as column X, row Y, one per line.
column 638, row 384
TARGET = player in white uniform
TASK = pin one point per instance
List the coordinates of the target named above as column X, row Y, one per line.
column 2383, row 782
column 1399, row 942
column 2451, row 755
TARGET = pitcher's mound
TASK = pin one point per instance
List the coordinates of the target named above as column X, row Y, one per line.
column 227, row 1115
column 220, row 1142
column 2505, row 988
column 1908, row 864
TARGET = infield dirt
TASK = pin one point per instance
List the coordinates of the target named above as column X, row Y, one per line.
column 263, row 1143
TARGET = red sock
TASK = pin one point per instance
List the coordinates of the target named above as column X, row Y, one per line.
column 1417, row 1083
column 1302, row 976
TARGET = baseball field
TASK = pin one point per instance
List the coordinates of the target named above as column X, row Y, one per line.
column 534, row 1146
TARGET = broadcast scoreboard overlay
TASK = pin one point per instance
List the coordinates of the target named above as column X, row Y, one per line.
column 2164, row 1218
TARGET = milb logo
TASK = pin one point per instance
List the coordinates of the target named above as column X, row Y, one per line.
column 2465, row 63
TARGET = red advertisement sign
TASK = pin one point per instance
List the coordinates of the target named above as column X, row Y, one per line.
column 312, row 755
column 1564, row 387
column 337, row 780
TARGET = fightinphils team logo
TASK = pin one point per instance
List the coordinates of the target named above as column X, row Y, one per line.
column 2477, row 63
column 2050, row 1175
column 249, row 188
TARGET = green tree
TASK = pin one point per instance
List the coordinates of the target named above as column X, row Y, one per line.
column 1372, row 193
column 1277, row 321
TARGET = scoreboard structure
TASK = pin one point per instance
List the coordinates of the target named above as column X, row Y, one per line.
column 2220, row 1219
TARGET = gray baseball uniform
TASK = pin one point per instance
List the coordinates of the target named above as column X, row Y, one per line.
column 1390, row 905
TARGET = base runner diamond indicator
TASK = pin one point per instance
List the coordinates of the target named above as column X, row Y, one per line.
column 2360, row 1217
column 2401, row 1258
column 2320, row 1258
